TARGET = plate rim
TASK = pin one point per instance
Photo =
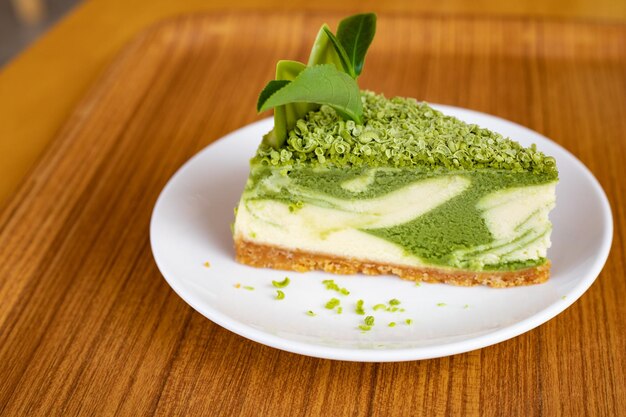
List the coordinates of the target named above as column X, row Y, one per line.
column 397, row 354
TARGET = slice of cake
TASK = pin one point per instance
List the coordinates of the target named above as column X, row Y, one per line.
column 390, row 186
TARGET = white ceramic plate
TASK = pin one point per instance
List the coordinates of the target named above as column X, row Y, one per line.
column 191, row 225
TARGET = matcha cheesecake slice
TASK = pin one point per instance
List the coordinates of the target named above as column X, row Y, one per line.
column 349, row 181
column 411, row 192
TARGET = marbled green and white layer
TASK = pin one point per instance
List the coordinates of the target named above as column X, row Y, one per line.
column 410, row 186
column 469, row 220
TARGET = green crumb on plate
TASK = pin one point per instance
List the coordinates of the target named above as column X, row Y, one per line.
column 441, row 304
column 563, row 298
column 332, row 303
column 408, row 321
column 365, row 327
column 379, row 307
column 248, row 287
column 311, row 313
column 280, row 295
column 394, row 302
column 418, row 284
column 359, row 307
column 466, row 306
column 207, row 264
column 392, row 324
column 281, row 284
column 331, row 285
column 369, row 320
column 339, row 310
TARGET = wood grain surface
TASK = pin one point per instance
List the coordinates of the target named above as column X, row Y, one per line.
column 89, row 327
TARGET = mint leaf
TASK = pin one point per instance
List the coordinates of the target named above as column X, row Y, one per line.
column 323, row 51
column 343, row 56
column 288, row 70
column 356, row 34
column 289, row 114
column 271, row 87
column 320, row 84
column 285, row 117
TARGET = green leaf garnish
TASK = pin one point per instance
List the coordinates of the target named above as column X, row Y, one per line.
column 369, row 320
column 343, row 56
column 356, row 34
column 345, row 52
column 285, row 117
column 271, row 87
column 280, row 295
column 311, row 313
column 320, row 84
column 323, row 51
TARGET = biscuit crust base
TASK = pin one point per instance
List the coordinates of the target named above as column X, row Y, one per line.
column 269, row 256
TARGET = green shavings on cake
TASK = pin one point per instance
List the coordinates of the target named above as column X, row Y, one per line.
column 400, row 132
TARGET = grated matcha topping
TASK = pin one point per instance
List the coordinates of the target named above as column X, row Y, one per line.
column 400, row 132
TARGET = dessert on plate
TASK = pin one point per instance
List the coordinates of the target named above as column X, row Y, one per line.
column 350, row 181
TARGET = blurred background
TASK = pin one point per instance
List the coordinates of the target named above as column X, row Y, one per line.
column 22, row 21
column 51, row 51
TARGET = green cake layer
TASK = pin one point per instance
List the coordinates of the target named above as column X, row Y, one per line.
column 451, row 234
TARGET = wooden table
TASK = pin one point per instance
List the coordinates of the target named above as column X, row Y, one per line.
column 88, row 326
